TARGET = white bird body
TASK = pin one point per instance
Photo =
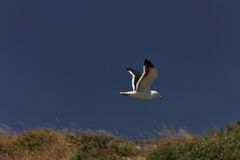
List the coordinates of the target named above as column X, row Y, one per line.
column 141, row 95
column 141, row 83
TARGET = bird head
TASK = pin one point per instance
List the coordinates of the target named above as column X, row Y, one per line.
column 156, row 95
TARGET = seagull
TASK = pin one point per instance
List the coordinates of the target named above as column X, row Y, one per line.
column 141, row 82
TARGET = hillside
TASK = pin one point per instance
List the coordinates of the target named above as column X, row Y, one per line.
column 50, row 144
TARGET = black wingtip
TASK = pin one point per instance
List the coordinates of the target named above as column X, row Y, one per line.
column 148, row 63
column 126, row 67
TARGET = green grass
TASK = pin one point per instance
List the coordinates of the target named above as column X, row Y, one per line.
column 50, row 144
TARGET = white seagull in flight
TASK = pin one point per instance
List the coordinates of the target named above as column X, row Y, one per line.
column 141, row 82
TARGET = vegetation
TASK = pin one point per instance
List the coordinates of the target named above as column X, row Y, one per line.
column 49, row 144
column 223, row 144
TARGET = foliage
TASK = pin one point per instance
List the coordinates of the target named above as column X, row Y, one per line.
column 221, row 144
column 98, row 147
column 49, row 144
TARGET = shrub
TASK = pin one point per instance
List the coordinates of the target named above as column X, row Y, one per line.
column 221, row 144
column 35, row 141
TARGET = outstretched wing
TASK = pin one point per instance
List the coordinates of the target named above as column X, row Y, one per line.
column 148, row 76
column 135, row 76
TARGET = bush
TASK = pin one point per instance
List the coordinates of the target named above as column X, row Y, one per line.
column 219, row 145
column 35, row 141
column 103, row 148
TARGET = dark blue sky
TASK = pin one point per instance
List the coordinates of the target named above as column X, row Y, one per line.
column 63, row 61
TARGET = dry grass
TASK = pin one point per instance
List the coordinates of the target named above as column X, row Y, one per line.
column 40, row 144
column 51, row 144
